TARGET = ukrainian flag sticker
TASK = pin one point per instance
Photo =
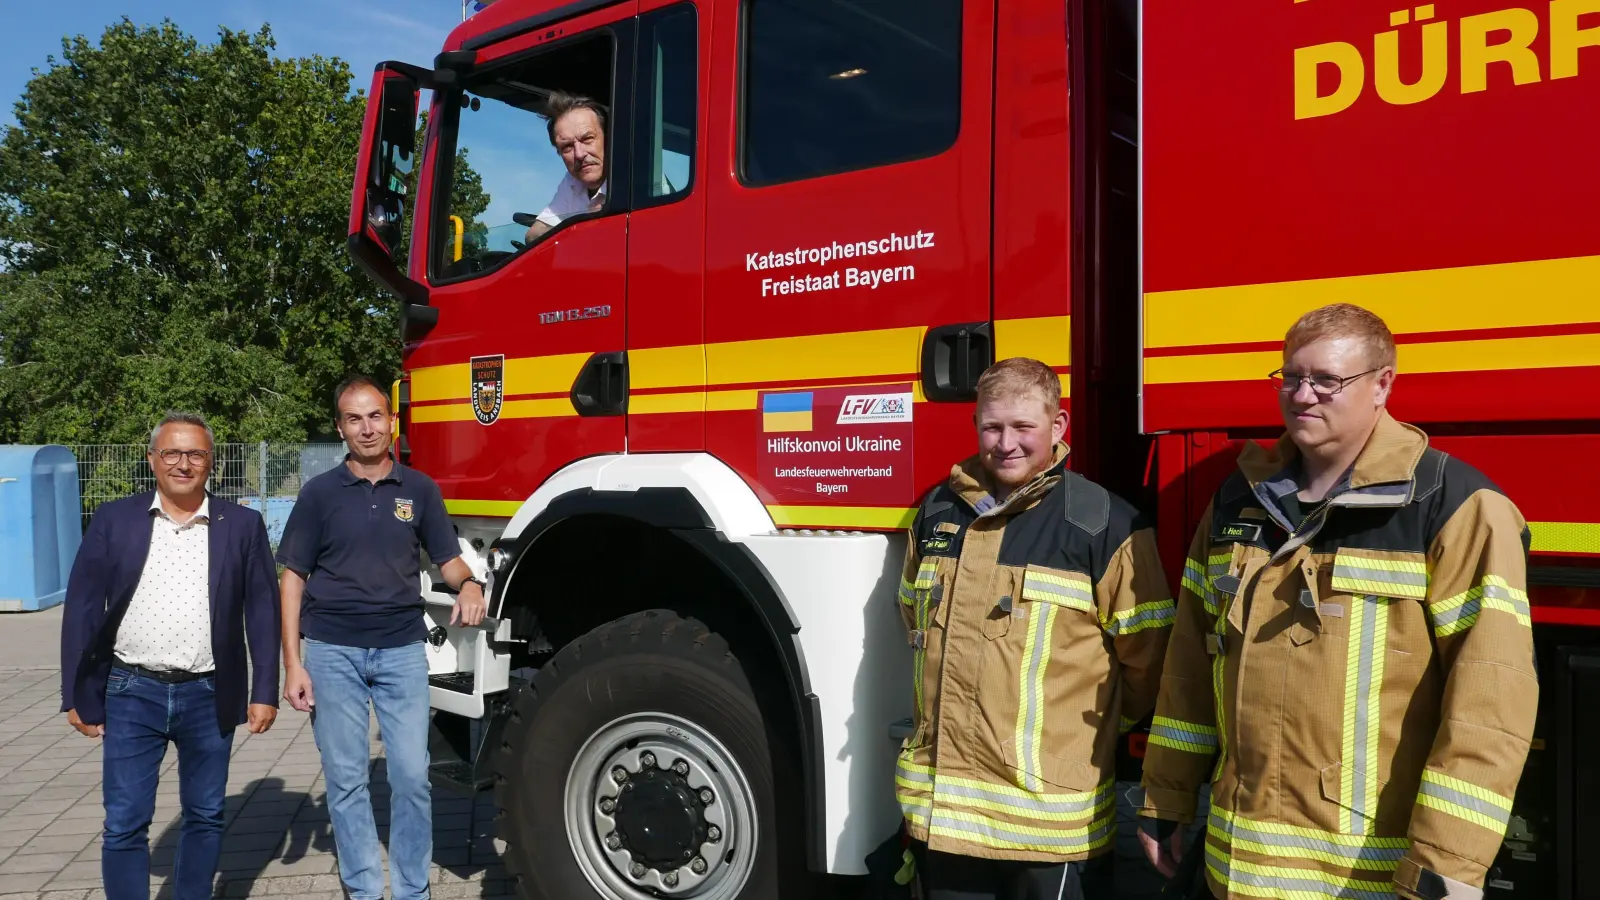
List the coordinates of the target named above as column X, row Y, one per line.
column 786, row 412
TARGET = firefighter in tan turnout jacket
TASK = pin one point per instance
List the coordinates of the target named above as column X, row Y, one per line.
column 1039, row 616
column 1352, row 665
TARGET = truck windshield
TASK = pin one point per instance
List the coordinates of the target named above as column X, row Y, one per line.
column 525, row 149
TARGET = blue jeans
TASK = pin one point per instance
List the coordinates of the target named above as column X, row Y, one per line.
column 142, row 716
column 394, row 682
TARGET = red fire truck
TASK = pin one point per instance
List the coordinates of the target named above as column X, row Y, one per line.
column 681, row 432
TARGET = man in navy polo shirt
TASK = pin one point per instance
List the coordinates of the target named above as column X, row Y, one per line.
column 350, row 550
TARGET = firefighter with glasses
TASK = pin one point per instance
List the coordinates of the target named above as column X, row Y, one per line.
column 1352, row 664
column 1038, row 614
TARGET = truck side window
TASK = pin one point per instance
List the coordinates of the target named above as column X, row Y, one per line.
column 833, row 87
column 668, row 91
column 499, row 172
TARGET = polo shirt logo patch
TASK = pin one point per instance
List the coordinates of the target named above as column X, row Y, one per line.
column 403, row 510
column 488, row 387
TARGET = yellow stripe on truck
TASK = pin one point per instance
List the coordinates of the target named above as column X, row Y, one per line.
column 1506, row 295
column 1444, row 356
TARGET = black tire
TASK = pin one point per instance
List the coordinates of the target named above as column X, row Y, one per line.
column 648, row 662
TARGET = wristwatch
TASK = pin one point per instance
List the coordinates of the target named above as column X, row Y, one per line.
column 473, row 579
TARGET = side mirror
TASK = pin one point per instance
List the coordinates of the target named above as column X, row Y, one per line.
column 385, row 177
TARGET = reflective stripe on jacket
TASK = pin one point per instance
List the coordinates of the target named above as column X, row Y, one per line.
column 1038, row 627
column 1359, row 685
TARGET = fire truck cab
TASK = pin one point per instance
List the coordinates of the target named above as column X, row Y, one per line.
column 685, row 360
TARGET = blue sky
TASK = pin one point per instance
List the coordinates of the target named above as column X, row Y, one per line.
column 362, row 32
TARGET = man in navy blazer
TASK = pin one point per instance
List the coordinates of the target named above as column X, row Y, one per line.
column 167, row 591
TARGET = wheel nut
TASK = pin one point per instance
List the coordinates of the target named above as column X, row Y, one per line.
column 698, row 866
column 707, row 797
column 636, row 870
column 681, row 767
column 608, row 805
column 670, row 879
column 647, row 760
column 713, row 834
column 619, row 775
column 614, row 841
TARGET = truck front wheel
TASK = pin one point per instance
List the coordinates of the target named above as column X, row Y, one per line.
column 637, row 767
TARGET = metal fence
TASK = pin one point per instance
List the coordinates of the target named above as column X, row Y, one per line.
column 265, row 476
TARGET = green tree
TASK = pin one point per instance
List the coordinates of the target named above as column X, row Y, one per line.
column 468, row 199
column 172, row 220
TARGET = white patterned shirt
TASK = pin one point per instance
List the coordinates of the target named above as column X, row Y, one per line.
column 571, row 198
column 168, row 622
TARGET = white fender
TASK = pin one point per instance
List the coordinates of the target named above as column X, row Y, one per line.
column 734, row 508
column 842, row 589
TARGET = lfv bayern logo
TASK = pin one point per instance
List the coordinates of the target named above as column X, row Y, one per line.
column 861, row 408
column 488, row 387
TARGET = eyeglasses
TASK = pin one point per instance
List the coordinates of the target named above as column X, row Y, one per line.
column 1322, row 384
column 196, row 457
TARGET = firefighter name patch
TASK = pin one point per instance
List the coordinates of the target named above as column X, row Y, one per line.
column 403, row 510
column 1236, row 532
column 488, row 387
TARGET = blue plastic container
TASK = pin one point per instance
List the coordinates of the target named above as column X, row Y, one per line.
column 40, row 526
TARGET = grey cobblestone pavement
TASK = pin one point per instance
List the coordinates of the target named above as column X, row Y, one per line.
column 276, row 842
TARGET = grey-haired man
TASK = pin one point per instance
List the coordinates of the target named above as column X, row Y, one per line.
column 168, row 589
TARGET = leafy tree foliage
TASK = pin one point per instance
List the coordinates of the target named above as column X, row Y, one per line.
column 172, row 220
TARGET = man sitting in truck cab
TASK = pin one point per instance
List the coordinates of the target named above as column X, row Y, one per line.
column 577, row 127
column 1038, row 615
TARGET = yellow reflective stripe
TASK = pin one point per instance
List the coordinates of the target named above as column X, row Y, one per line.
column 1456, row 614
column 1196, row 583
column 927, row 574
column 985, row 797
column 1073, row 593
column 1219, row 707
column 1155, row 614
column 919, row 656
column 908, row 593
column 1459, row 613
column 912, row 783
column 1346, row 840
column 914, row 808
column 980, row 829
column 1030, row 709
column 1270, row 839
column 1499, row 594
column 1009, row 791
column 1465, row 801
column 1190, row 737
column 1364, row 658
column 1286, row 883
column 1357, row 574
column 1126, row 725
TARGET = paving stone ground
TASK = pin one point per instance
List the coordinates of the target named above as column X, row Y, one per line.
column 277, row 840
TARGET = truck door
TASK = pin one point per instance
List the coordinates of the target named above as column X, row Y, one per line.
column 847, row 250
column 525, row 369
column 667, row 232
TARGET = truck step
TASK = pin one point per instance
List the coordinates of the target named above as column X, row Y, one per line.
column 460, row 682
column 458, row 775
column 460, row 749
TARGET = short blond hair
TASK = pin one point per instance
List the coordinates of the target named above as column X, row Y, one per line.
column 1343, row 320
column 1017, row 376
